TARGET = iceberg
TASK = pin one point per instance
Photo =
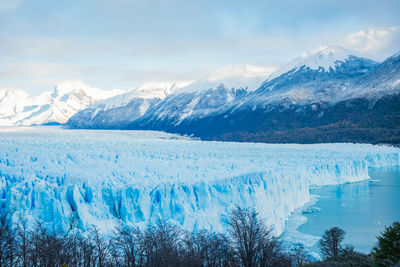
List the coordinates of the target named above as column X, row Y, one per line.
column 79, row 178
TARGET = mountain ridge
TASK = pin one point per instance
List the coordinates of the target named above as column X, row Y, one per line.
column 355, row 102
column 327, row 95
column 19, row 108
column 367, row 112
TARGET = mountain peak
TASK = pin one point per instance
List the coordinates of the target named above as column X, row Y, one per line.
column 68, row 87
column 19, row 108
column 240, row 71
column 238, row 76
column 149, row 90
column 158, row 89
column 13, row 92
column 325, row 58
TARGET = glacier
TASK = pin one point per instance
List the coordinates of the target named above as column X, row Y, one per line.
column 79, row 178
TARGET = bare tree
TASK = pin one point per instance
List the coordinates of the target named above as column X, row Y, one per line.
column 298, row 255
column 22, row 240
column 252, row 242
column 87, row 250
column 100, row 247
column 8, row 246
column 330, row 243
column 127, row 246
column 248, row 243
column 162, row 246
column 206, row 249
column 45, row 247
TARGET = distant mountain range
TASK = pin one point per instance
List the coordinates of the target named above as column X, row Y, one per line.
column 328, row 95
column 186, row 101
column 19, row 108
column 354, row 100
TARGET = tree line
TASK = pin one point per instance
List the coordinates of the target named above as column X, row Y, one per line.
column 247, row 242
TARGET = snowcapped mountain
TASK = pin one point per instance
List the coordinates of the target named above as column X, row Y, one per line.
column 208, row 94
column 19, row 108
column 353, row 100
column 327, row 75
column 323, row 59
column 149, row 90
column 186, row 100
column 14, row 101
column 244, row 76
column 327, row 95
column 123, row 109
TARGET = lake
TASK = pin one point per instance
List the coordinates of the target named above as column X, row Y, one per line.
column 362, row 209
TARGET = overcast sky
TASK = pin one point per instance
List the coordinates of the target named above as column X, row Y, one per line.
column 120, row 44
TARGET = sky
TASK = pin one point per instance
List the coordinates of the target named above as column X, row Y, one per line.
column 121, row 44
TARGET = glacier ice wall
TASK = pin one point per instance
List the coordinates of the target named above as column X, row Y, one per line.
column 77, row 178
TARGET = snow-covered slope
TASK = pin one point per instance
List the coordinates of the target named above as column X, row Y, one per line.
column 148, row 90
column 327, row 75
column 104, row 178
column 302, row 90
column 19, row 108
column 323, row 59
column 193, row 103
column 185, row 102
column 327, row 95
column 237, row 76
column 208, row 94
column 383, row 81
column 121, row 110
column 14, row 101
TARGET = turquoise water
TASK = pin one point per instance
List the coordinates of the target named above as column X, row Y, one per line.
column 362, row 209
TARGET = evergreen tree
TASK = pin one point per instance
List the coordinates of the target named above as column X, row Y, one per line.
column 387, row 250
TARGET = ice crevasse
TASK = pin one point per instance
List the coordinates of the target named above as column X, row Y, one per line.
column 104, row 178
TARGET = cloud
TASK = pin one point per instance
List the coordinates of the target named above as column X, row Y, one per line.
column 241, row 70
column 31, row 69
column 36, row 76
column 377, row 43
column 121, row 43
column 8, row 5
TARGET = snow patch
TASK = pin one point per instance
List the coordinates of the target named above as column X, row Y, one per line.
column 325, row 58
